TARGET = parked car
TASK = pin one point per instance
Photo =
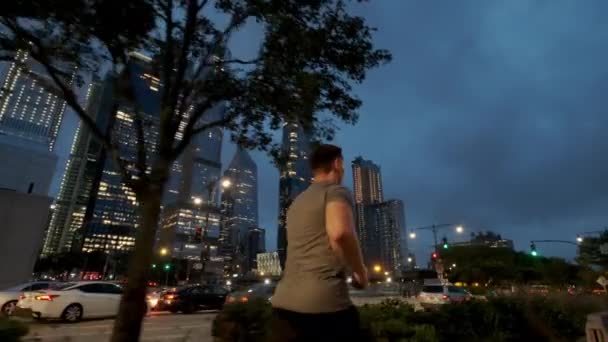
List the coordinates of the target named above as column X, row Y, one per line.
column 432, row 296
column 9, row 297
column 258, row 291
column 72, row 302
column 190, row 299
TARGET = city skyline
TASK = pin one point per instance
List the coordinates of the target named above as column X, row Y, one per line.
column 475, row 138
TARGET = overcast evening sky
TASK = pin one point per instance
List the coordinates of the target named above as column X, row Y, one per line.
column 492, row 114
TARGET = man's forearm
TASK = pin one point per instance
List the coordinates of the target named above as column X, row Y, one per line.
column 348, row 248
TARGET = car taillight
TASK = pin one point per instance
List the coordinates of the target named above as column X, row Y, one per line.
column 170, row 297
column 230, row 299
column 46, row 297
column 22, row 297
column 244, row 299
column 445, row 297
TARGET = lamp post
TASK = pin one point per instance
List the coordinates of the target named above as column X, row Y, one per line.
column 224, row 183
column 434, row 228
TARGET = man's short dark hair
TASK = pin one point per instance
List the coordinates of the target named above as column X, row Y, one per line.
column 323, row 156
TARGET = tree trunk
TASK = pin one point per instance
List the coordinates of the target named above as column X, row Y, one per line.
column 127, row 327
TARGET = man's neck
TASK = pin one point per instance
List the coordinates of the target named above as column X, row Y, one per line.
column 324, row 178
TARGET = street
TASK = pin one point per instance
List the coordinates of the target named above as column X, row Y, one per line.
column 158, row 326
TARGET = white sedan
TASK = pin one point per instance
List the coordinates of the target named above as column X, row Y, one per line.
column 74, row 301
column 10, row 297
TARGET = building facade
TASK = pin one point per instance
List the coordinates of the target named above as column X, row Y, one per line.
column 28, row 109
column 24, row 218
column 239, row 206
column 268, row 264
column 295, row 177
column 367, row 190
column 185, row 231
column 81, row 170
column 385, row 225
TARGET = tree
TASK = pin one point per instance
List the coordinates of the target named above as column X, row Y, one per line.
column 311, row 52
column 493, row 266
column 589, row 252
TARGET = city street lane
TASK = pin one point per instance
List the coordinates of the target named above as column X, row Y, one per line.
column 158, row 326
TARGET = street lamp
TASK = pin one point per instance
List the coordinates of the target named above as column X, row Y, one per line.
column 197, row 201
column 579, row 239
column 409, row 259
column 163, row 251
column 224, row 183
column 377, row 268
column 434, row 228
column 454, row 265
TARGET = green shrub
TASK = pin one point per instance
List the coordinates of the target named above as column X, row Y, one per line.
column 500, row 319
column 11, row 331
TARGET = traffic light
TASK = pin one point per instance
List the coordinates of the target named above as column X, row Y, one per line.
column 445, row 243
column 167, row 267
column 434, row 256
column 533, row 251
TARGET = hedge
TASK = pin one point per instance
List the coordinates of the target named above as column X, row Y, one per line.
column 501, row 319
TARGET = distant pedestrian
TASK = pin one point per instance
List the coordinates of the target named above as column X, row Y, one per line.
column 311, row 302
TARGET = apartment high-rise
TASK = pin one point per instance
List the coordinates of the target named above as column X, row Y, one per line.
column 81, row 170
column 239, row 204
column 295, row 177
column 28, row 110
column 385, row 226
column 367, row 189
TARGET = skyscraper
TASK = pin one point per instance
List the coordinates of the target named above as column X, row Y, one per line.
column 81, row 171
column 27, row 109
column 199, row 165
column 295, row 177
column 255, row 244
column 385, row 226
column 367, row 188
column 239, row 204
column 110, row 221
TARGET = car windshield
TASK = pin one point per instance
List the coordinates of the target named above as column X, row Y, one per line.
column 432, row 289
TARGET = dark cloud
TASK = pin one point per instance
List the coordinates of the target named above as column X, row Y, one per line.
column 492, row 114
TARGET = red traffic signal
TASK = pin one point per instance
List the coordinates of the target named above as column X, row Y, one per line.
column 434, row 256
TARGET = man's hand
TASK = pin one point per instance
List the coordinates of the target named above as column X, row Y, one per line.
column 360, row 279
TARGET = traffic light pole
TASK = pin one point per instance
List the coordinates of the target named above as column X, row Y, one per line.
column 533, row 251
column 555, row 241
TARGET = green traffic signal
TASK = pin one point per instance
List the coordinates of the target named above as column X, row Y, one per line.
column 167, row 267
column 534, row 253
column 445, row 246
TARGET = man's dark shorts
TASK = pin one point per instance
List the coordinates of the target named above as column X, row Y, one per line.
column 289, row 326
